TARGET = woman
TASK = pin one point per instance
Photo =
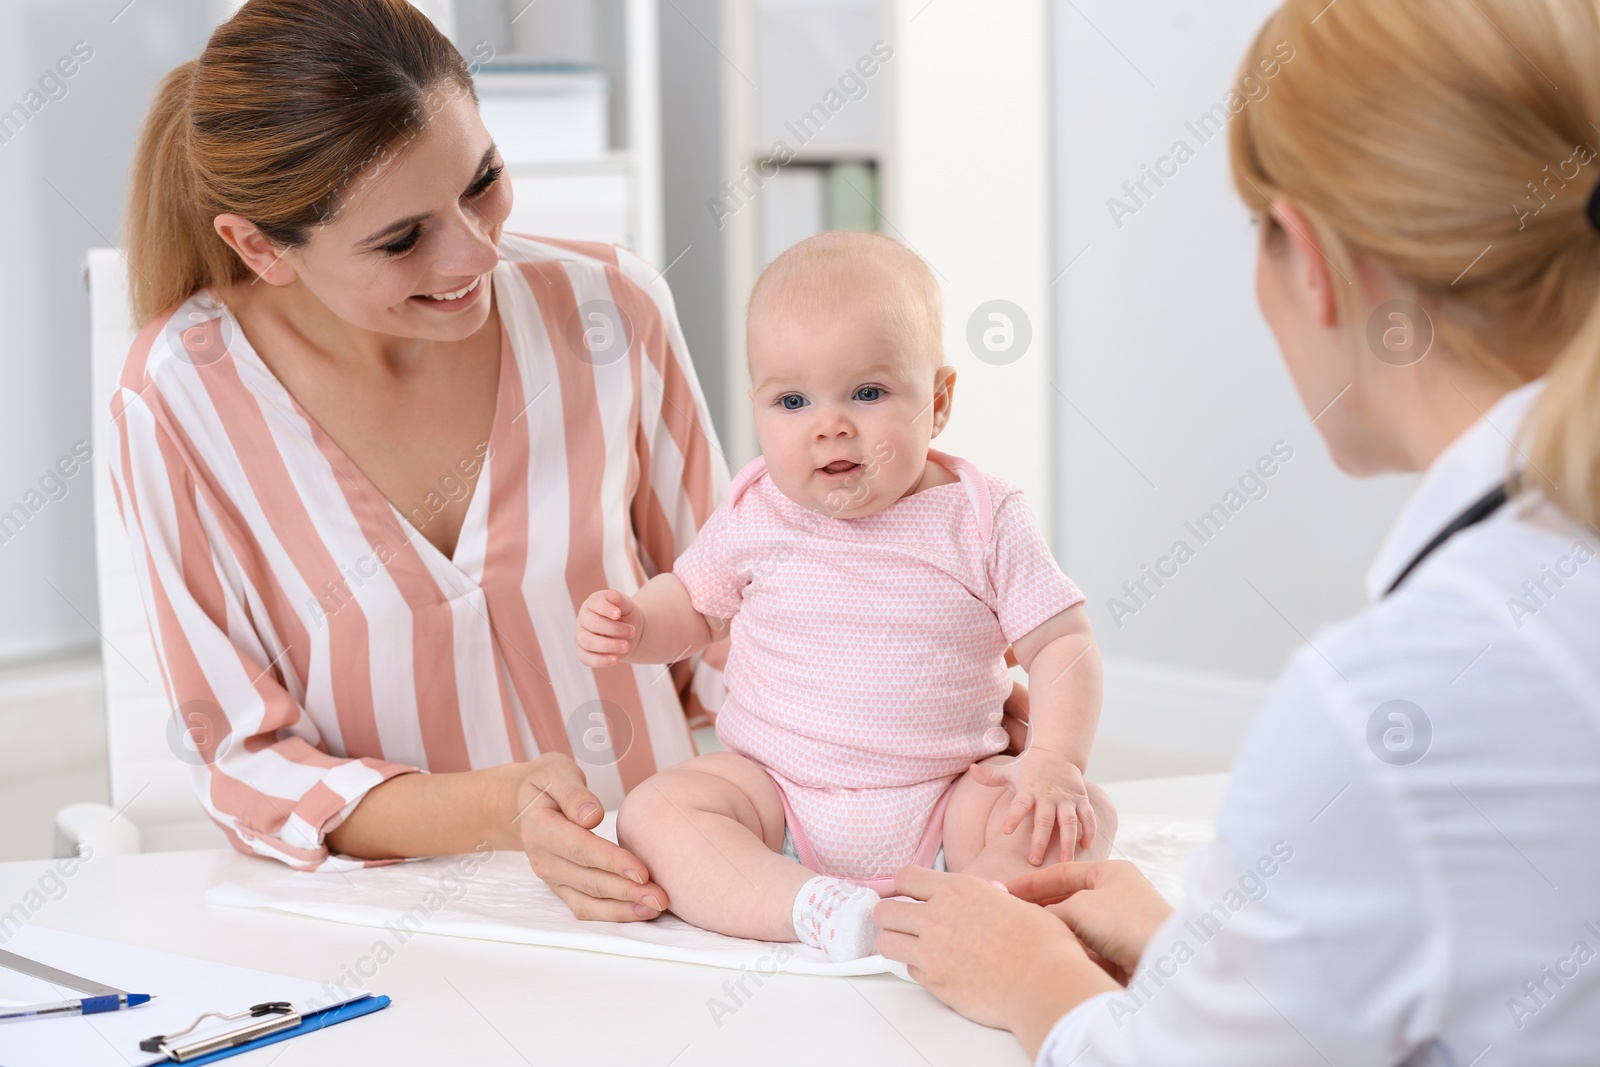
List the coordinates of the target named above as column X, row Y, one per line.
column 374, row 452
column 1407, row 866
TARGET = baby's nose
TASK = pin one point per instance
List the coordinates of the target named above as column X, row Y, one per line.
column 834, row 425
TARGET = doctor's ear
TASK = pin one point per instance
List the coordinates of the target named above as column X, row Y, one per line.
column 264, row 258
column 1287, row 230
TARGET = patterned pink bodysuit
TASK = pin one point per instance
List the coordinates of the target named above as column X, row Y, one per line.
column 866, row 663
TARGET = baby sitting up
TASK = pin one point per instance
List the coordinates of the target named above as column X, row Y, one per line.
column 871, row 586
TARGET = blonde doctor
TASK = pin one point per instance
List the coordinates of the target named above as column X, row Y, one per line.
column 1407, row 867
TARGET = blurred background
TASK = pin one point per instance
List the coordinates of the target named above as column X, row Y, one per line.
column 1061, row 165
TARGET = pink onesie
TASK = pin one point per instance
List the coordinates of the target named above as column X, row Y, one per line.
column 866, row 663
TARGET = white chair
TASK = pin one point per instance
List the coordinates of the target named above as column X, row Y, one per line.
column 153, row 806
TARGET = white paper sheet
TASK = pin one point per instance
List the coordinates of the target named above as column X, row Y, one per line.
column 500, row 899
column 184, row 989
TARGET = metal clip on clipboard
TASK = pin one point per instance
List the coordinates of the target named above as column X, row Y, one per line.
column 283, row 1017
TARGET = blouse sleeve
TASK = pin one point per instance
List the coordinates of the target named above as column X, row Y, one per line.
column 1026, row 584
column 257, row 761
column 683, row 472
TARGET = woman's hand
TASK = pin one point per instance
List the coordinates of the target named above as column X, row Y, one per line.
column 608, row 628
column 1052, row 787
column 1110, row 906
column 997, row 960
column 550, row 811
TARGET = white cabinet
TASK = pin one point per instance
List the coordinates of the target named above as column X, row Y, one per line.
column 589, row 203
column 546, row 116
column 570, row 90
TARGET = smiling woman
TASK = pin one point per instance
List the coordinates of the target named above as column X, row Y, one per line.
column 332, row 319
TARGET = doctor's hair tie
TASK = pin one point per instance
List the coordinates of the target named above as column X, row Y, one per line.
column 1593, row 208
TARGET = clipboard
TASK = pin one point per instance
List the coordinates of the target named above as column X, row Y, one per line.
column 208, row 1009
column 251, row 1035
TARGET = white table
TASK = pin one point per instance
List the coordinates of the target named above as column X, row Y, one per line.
column 462, row 1001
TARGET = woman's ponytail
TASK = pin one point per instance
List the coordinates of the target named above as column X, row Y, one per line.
column 1564, row 453
column 169, row 254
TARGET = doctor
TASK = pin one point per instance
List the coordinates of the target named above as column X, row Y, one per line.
column 1407, row 866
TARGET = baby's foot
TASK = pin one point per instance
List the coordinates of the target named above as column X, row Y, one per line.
column 836, row 917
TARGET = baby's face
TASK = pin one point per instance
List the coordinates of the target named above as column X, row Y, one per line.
column 844, row 410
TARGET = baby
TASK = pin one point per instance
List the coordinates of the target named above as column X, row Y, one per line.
column 871, row 586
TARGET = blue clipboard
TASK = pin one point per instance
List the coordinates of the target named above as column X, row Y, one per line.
column 316, row 1021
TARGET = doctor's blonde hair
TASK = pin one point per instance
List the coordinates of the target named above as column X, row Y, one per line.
column 291, row 103
column 1455, row 143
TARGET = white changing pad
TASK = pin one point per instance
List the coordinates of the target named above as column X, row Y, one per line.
column 502, row 900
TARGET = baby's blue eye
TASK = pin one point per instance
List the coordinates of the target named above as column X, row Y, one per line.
column 876, row 391
column 792, row 401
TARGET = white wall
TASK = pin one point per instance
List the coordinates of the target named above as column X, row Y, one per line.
column 1173, row 386
column 62, row 175
column 691, row 165
column 966, row 184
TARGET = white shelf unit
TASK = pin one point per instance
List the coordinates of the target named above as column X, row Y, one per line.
column 612, row 195
column 828, row 37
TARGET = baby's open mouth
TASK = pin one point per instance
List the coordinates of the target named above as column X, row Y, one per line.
column 840, row 466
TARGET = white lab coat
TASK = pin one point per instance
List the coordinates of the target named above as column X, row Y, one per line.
column 1363, row 906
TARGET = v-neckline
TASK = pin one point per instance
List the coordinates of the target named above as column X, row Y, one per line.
column 350, row 472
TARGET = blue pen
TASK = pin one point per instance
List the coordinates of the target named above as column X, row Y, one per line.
column 86, row 1006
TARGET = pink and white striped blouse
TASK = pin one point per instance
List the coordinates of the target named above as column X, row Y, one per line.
column 327, row 646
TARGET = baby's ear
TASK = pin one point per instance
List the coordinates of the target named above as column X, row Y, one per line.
column 944, row 396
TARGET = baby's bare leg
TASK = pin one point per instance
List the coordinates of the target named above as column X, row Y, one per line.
column 974, row 842
column 710, row 830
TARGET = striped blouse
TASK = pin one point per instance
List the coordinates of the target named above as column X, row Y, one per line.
column 314, row 644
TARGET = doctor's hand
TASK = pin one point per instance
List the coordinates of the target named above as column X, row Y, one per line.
column 609, row 625
column 997, row 960
column 1108, row 904
column 1052, row 787
column 552, row 812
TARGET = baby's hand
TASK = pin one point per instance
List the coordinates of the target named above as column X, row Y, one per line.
column 608, row 628
column 1052, row 787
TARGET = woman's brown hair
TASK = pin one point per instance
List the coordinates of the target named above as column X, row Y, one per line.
column 291, row 105
column 1452, row 142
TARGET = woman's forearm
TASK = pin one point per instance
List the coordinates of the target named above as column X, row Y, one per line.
column 422, row 814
